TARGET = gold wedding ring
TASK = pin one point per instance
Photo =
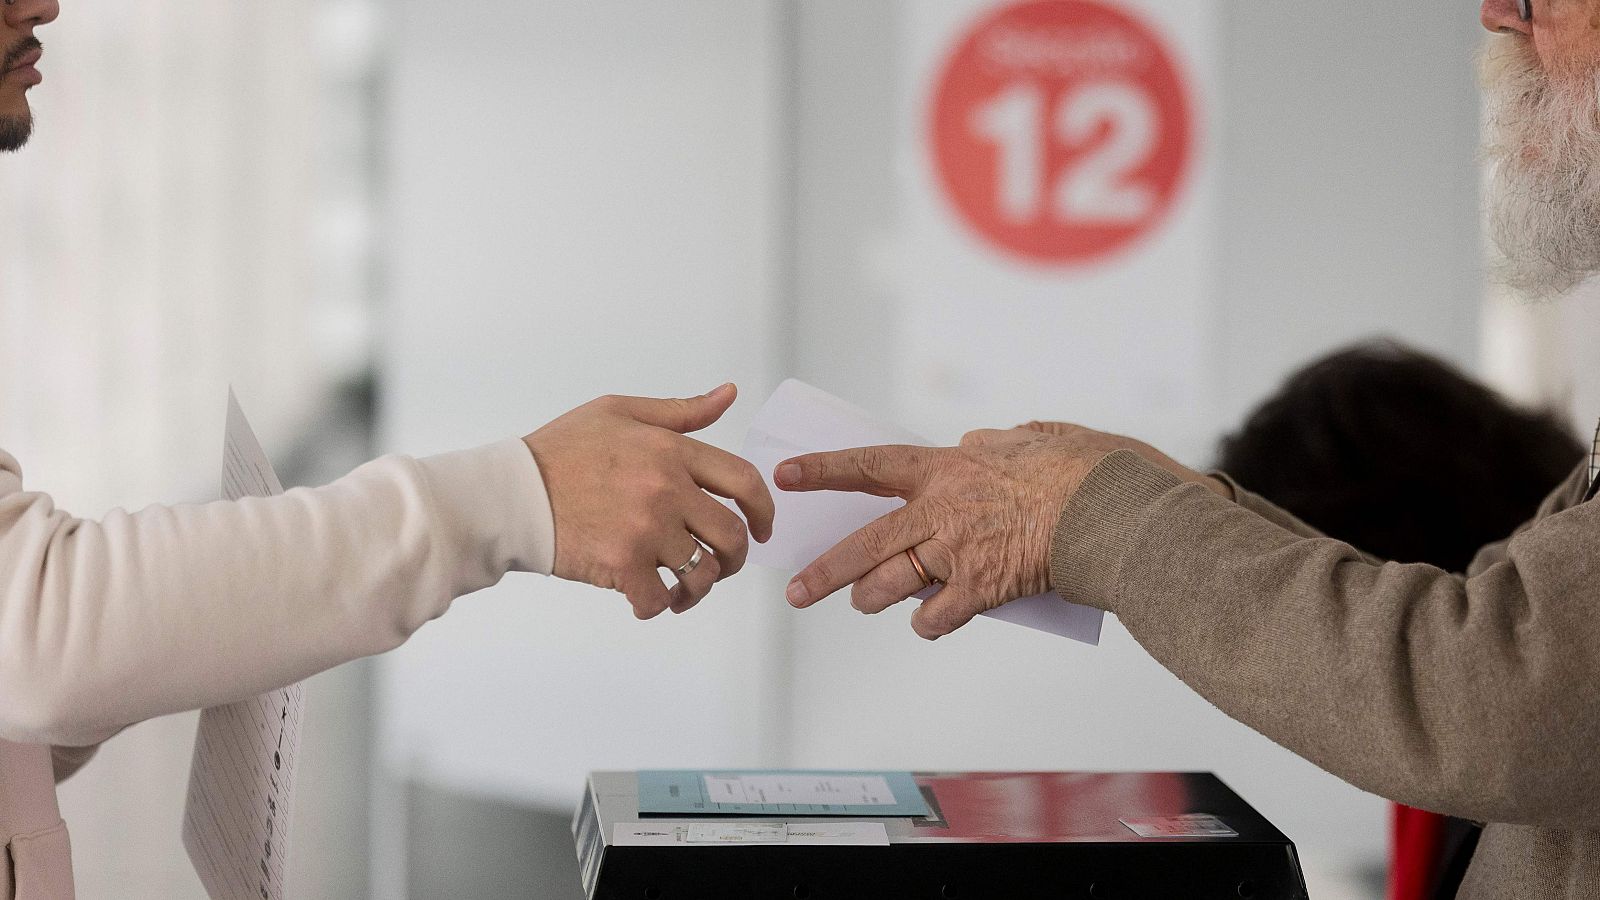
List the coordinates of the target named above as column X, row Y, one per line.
column 916, row 563
column 693, row 563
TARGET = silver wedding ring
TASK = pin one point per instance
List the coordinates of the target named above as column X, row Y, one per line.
column 693, row 563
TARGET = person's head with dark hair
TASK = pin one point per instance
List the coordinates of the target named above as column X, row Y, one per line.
column 1400, row 455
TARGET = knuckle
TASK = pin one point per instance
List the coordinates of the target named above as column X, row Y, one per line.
column 736, row 545
column 873, row 462
column 874, row 544
column 935, row 552
column 737, row 535
column 713, row 570
column 657, row 443
column 637, row 532
column 620, row 557
column 655, row 485
column 679, row 408
column 865, row 598
column 750, row 480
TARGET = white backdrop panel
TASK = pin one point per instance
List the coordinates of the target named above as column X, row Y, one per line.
column 581, row 206
column 1120, row 342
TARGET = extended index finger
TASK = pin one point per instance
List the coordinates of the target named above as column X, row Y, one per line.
column 859, row 554
column 889, row 471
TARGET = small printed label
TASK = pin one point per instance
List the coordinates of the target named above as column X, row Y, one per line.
column 855, row 834
column 799, row 789
column 757, row 833
column 711, row 834
column 1192, row 825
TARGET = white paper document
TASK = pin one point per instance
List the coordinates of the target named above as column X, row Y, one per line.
column 798, row 419
column 241, row 782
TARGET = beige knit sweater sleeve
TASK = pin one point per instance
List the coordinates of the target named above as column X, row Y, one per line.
column 107, row 623
column 1472, row 696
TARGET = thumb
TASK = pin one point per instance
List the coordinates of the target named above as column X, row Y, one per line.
column 984, row 437
column 1055, row 428
column 681, row 415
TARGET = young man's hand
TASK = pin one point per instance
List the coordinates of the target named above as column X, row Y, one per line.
column 629, row 493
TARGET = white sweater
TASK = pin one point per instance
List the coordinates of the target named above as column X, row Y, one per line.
column 103, row 624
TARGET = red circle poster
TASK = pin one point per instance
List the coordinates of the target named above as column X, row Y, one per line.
column 1062, row 129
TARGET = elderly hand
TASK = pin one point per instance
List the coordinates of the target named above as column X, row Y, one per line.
column 1118, row 442
column 980, row 518
column 629, row 495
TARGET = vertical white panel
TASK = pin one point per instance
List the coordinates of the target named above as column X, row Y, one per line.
column 994, row 338
column 971, row 336
column 581, row 205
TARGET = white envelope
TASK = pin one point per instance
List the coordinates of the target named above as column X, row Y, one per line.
column 798, row 419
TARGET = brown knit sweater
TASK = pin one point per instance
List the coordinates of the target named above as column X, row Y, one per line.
column 1474, row 696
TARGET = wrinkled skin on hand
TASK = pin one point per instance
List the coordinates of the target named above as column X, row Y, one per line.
column 980, row 517
column 1090, row 440
column 631, row 492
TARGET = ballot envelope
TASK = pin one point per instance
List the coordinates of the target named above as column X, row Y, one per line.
column 1002, row 835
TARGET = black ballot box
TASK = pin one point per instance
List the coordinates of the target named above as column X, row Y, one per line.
column 985, row 836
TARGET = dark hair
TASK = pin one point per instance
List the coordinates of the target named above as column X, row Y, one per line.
column 1399, row 454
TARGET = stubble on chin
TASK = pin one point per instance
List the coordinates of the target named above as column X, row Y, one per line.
column 14, row 132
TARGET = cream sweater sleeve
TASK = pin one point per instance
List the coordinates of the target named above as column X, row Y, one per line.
column 107, row 623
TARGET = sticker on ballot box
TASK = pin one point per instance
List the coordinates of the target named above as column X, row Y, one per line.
column 727, row 834
column 754, row 833
column 779, row 793
column 1192, row 825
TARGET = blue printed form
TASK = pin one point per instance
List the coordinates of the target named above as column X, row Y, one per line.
column 779, row 793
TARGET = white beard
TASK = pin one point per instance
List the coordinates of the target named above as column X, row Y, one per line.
column 1543, row 140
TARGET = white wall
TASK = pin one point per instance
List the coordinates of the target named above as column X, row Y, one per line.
column 1350, row 185
column 581, row 203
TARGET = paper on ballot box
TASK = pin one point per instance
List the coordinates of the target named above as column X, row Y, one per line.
column 799, row 418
